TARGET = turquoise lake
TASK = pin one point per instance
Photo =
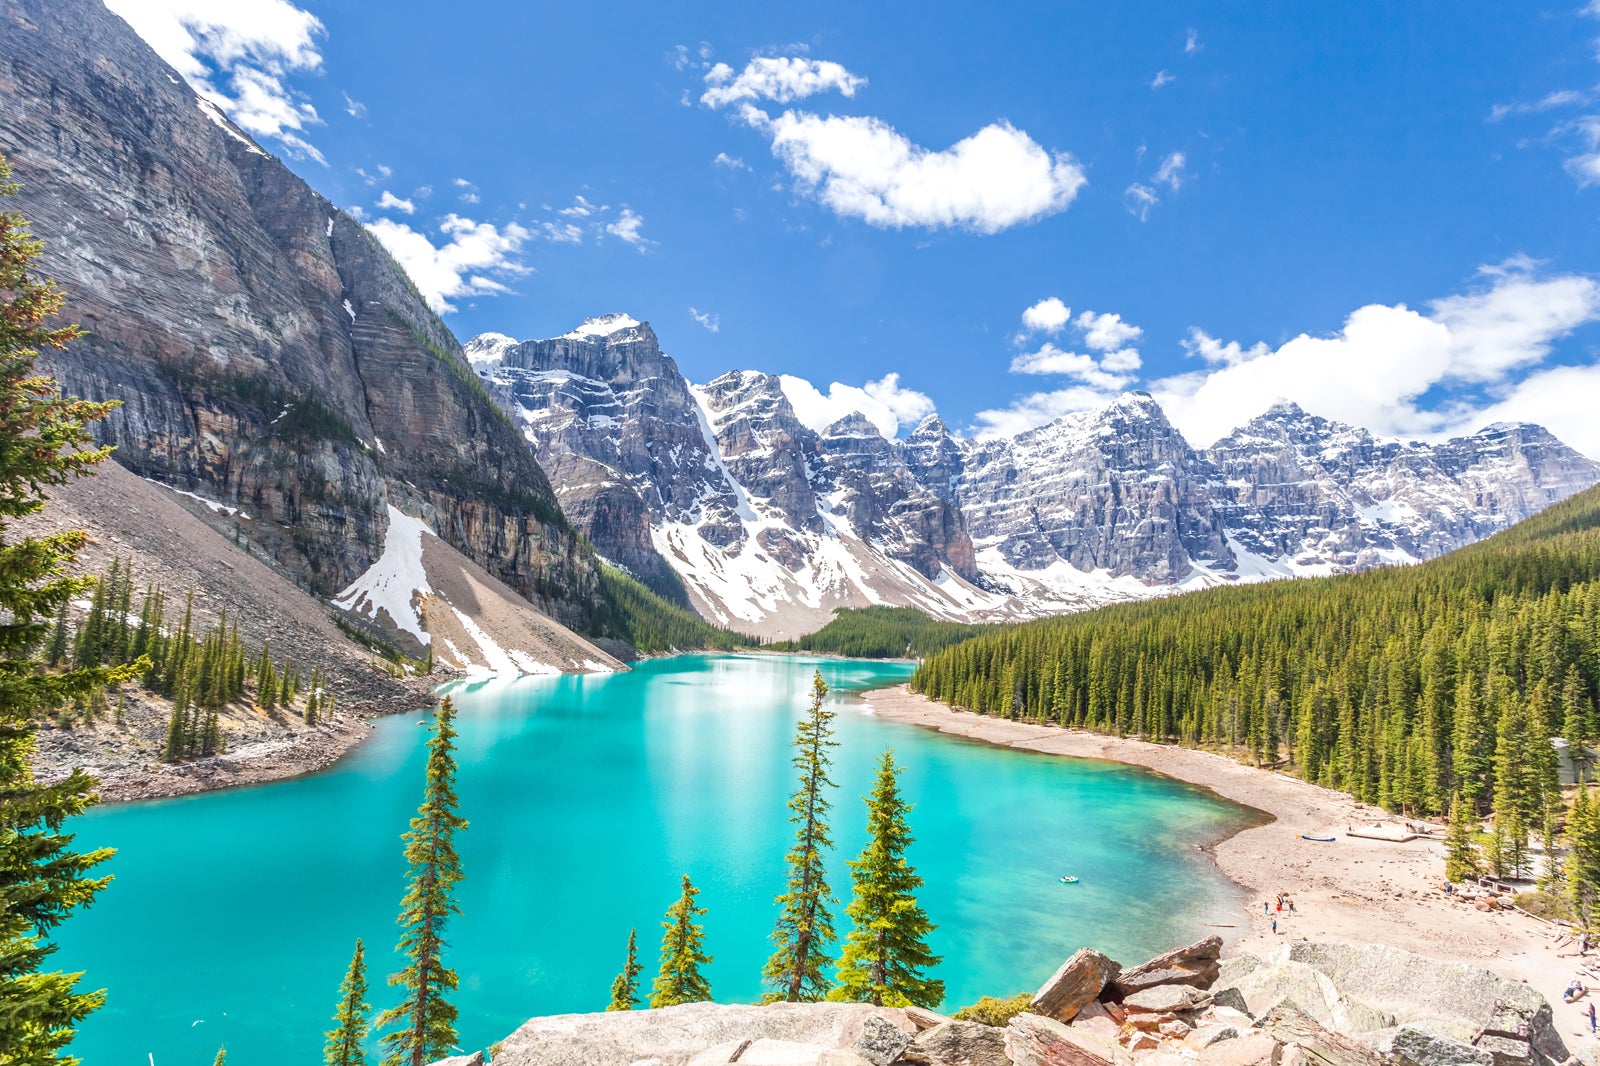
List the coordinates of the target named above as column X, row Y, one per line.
column 233, row 914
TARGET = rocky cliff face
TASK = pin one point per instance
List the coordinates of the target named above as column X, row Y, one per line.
column 718, row 494
column 267, row 351
column 770, row 524
column 1307, row 495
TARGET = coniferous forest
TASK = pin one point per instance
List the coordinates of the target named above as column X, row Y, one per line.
column 1407, row 687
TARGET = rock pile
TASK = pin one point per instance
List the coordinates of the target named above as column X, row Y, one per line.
column 1305, row 1005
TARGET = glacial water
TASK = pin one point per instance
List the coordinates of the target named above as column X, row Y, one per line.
column 233, row 914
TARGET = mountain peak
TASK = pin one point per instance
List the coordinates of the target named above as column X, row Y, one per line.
column 603, row 326
column 487, row 348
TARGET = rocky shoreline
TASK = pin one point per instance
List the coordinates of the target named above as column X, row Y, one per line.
column 1353, row 890
column 1305, row 1004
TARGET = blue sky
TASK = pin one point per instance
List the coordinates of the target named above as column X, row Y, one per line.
column 1389, row 213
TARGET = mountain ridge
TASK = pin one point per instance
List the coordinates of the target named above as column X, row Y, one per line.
column 788, row 522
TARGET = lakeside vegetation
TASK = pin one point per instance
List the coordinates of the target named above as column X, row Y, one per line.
column 654, row 625
column 880, row 632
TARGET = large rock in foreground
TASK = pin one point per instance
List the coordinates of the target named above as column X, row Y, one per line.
column 677, row 1036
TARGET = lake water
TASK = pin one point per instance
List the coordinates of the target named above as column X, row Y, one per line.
column 233, row 914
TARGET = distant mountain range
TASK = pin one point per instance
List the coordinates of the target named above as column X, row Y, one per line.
column 719, row 495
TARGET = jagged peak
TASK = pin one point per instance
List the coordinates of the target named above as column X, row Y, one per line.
column 931, row 426
column 488, row 348
column 604, row 327
column 853, row 424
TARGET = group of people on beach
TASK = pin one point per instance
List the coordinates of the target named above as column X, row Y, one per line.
column 1267, row 911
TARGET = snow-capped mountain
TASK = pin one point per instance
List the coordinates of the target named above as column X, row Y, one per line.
column 719, row 496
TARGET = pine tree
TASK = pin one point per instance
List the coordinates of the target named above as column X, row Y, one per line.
column 426, row 1017
column 679, row 979
column 44, row 442
column 886, row 955
column 1583, row 859
column 350, row 1020
column 805, row 924
column 222, row 1057
column 625, row 989
column 1461, row 854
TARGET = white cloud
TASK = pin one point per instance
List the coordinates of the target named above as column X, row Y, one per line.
column 863, row 168
column 883, row 403
column 626, row 229
column 779, row 78
column 1170, row 173
column 732, row 162
column 581, row 208
column 1139, row 199
column 354, row 108
column 239, row 54
column 1036, row 409
column 1585, row 169
column 1162, row 78
column 390, row 202
column 712, row 322
column 464, row 265
column 1047, row 316
column 1080, row 367
column 1106, row 331
column 1192, row 44
column 1548, row 102
column 1402, row 372
column 561, row 232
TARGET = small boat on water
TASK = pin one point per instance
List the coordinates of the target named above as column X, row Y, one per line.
column 1068, row 879
column 1320, row 840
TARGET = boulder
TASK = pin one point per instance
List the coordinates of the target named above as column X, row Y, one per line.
column 1196, row 964
column 722, row 1054
column 1166, row 999
column 1096, row 1019
column 1410, row 1045
column 1207, row 1035
column 675, row 1036
column 1231, row 998
column 1174, row 1029
column 923, row 1018
column 1466, row 999
column 1289, row 1026
column 474, row 1059
column 958, row 1044
column 1034, row 1040
column 1078, row 982
column 1302, row 987
column 881, row 1042
column 1231, row 970
column 768, row 1052
column 1507, row 1050
column 1252, row 1049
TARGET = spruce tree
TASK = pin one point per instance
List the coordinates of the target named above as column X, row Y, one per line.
column 679, row 979
column 44, row 442
column 1583, row 860
column 625, row 989
column 886, row 956
column 222, row 1057
column 350, row 1020
column 1461, row 854
column 805, row 924
column 426, row 1018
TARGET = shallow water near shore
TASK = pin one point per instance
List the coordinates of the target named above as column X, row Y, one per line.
column 233, row 914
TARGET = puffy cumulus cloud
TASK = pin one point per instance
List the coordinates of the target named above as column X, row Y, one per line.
column 1397, row 371
column 239, row 54
column 1036, row 409
column 390, row 202
column 469, row 261
column 1107, row 331
column 863, row 168
column 1046, row 316
column 778, row 78
column 1109, row 367
column 626, row 229
column 884, row 403
column 710, row 320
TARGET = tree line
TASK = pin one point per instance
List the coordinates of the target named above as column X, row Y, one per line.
column 200, row 671
column 880, row 632
column 1422, row 689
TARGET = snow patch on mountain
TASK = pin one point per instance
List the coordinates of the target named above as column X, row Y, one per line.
column 395, row 584
column 603, row 326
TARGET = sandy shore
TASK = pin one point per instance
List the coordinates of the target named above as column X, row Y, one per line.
column 1353, row 890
